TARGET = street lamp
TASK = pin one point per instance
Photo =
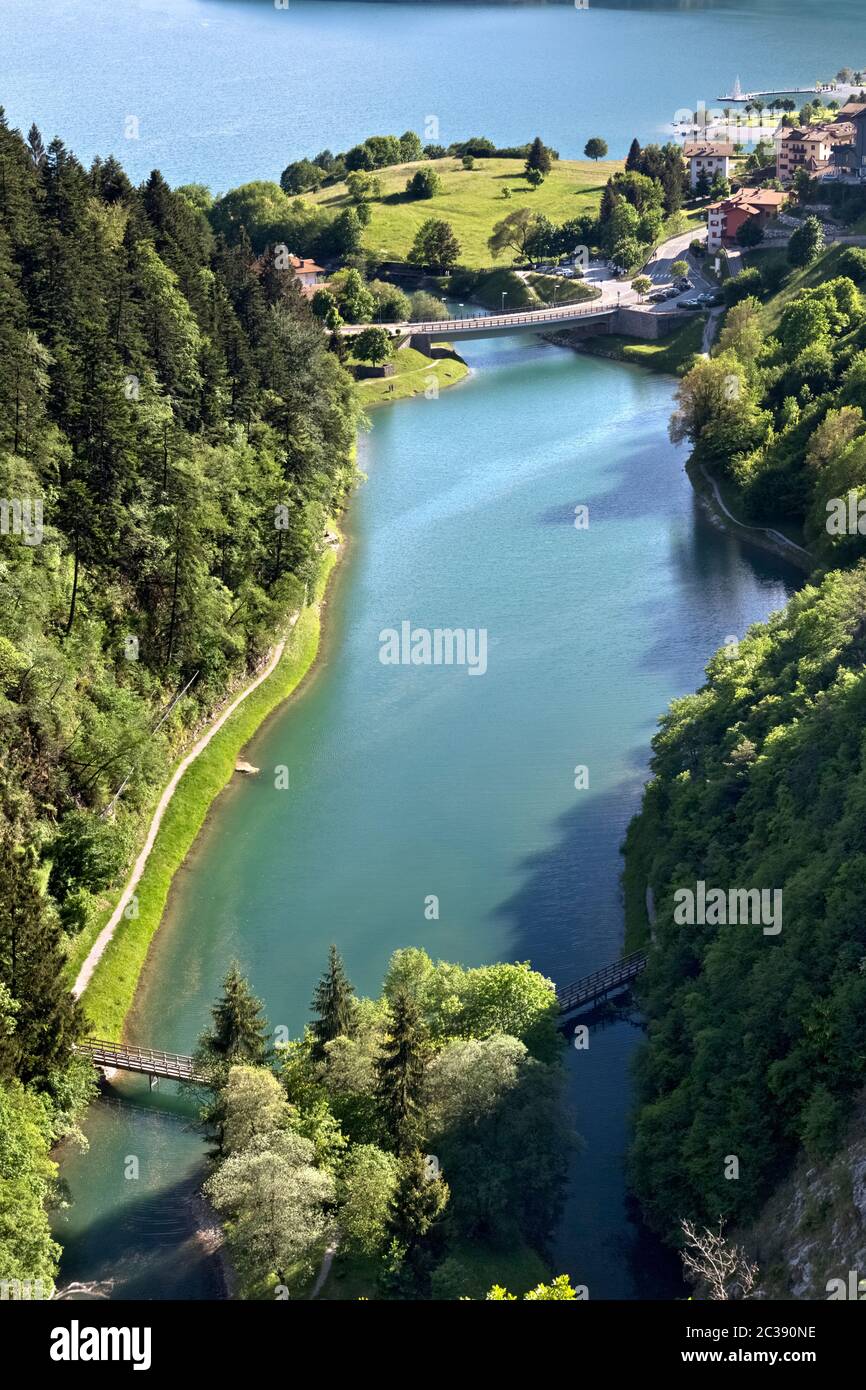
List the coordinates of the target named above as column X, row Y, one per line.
column 502, row 305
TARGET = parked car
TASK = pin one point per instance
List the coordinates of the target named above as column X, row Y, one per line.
column 683, row 284
column 692, row 304
column 657, row 296
column 672, row 292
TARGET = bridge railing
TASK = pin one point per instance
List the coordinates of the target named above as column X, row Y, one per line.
column 600, row 982
column 152, row 1060
column 530, row 316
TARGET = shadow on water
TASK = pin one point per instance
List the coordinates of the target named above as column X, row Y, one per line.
column 160, row 1247
column 616, row 1255
column 138, row 1228
column 567, row 915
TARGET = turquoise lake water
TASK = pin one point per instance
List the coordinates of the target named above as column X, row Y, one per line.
column 230, row 90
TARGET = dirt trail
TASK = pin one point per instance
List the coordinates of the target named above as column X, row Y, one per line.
column 97, row 949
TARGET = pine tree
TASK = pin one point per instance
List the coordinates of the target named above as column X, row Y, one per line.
column 47, row 1018
column 36, row 144
column 334, row 1004
column 400, row 1069
column 239, row 1032
column 417, row 1203
column 538, row 157
column 633, row 158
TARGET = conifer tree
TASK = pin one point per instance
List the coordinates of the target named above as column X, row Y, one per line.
column 239, row 1032
column 46, row 1017
column 334, row 1004
column 419, row 1200
column 400, row 1069
column 538, row 157
column 632, row 162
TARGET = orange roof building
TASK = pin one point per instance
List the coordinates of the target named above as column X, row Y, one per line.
column 725, row 219
column 306, row 271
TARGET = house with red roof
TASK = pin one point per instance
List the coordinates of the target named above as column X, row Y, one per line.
column 724, row 219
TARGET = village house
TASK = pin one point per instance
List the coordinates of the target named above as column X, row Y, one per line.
column 710, row 157
column 307, row 272
column 810, row 147
column 724, row 219
column 851, row 156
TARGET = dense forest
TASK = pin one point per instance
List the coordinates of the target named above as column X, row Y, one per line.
column 420, row 1135
column 778, row 411
column 757, row 1042
column 174, row 436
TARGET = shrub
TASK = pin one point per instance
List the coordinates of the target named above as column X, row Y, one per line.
column 741, row 286
column 852, row 262
column 424, row 183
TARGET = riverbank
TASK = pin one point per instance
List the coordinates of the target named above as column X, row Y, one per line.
column 110, row 989
column 672, row 356
column 669, row 356
column 766, row 538
column 415, row 374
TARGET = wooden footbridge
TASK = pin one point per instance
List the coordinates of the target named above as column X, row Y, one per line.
column 601, row 984
column 176, row 1066
column 150, row 1061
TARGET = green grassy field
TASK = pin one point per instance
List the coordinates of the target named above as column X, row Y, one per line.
column 472, row 201
column 413, row 375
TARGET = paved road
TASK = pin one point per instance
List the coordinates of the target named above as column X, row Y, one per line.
column 613, row 294
column 658, row 267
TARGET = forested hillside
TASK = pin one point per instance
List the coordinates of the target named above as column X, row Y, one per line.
column 174, row 436
column 757, row 1042
column 778, row 411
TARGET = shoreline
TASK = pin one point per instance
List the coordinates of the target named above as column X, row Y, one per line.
column 109, row 991
column 704, row 486
column 764, row 537
column 447, row 369
column 103, row 940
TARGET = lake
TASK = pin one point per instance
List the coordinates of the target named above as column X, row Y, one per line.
column 406, row 782
column 224, row 91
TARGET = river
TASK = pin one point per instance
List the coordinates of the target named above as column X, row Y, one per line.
column 410, row 781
